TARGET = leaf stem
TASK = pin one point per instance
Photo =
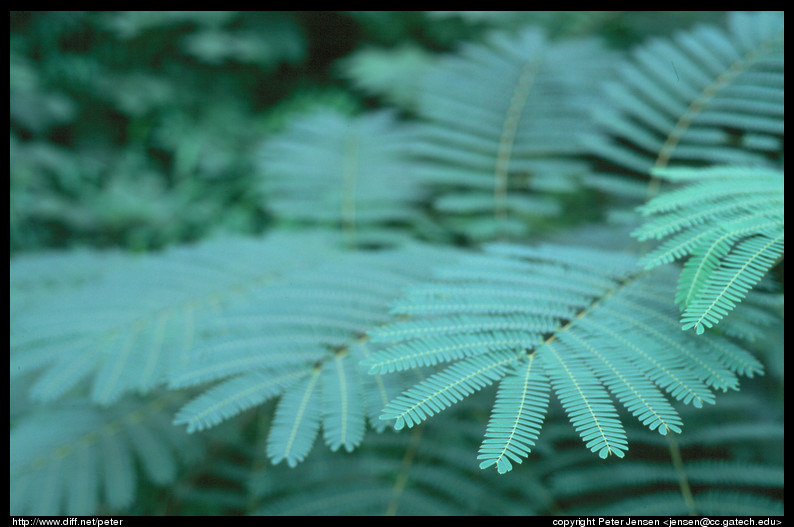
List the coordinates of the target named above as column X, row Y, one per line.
column 683, row 482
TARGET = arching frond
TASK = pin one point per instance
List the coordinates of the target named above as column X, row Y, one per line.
column 237, row 395
column 681, row 100
column 611, row 339
column 339, row 325
column 705, row 96
column 729, row 222
column 430, row 470
column 36, row 278
column 343, row 410
column 500, row 125
column 738, row 273
column 130, row 328
column 300, row 339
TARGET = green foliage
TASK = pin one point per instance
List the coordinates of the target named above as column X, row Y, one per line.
column 389, row 73
column 358, row 167
column 126, row 330
column 137, row 129
column 729, row 221
column 500, row 126
column 590, row 321
column 72, row 457
column 300, row 338
column 706, row 96
column 419, row 238
column 719, row 478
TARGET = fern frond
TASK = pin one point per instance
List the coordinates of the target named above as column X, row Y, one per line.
column 446, row 388
column 587, row 404
column 727, row 286
column 629, row 385
column 237, row 395
column 297, row 421
column 500, row 120
column 376, row 390
column 440, row 326
column 752, row 319
column 140, row 322
column 611, row 338
column 343, row 408
column 34, row 277
column 729, row 222
column 706, row 96
column 300, row 339
column 77, row 459
column 353, row 173
column 714, row 195
column 434, row 350
column 517, row 417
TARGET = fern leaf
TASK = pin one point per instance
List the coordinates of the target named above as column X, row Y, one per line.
column 139, row 322
column 628, row 385
column 357, row 167
column 444, row 349
column 499, row 121
column 74, row 458
column 611, row 337
column 517, row 416
column 727, row 286
column 708, row 95
column 376, row 390
column 454, row 325
column 300, row 339
column 253, row 326
column 343, row 410
column 643, row 338
column 447, row 387
column 424, row 471
column 236, row 395
column 297, row 422
column 729, row 222
column 585, row 401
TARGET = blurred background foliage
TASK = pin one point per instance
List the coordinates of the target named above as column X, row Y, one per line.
column 141, row 129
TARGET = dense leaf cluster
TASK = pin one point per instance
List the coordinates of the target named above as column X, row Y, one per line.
column 351, row 263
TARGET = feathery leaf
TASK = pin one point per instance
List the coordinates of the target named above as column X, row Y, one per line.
column 729, row 222
column 610, row 338
column 499, row 125
column 705, row 96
